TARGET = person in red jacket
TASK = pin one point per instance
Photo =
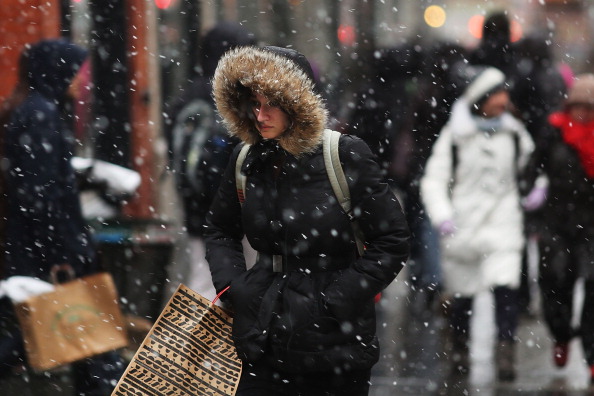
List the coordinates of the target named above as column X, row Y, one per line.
column 565, row 154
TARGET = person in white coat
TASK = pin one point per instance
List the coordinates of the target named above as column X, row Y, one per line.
column 470, row 190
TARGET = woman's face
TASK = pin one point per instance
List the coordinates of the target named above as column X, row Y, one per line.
column 271, row 120
column 495, row 105
column 581, row 112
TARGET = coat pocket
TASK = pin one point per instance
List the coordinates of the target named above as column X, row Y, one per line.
column 254, row 296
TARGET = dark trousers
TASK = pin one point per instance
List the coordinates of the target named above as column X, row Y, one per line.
column 506, row 315
column 563, row 260
column 261, row 380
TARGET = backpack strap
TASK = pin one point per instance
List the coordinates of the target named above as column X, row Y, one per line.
column 339, row 182
column 240, row 179
column 335, row 174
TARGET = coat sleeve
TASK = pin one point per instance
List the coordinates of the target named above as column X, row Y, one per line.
column 224, row 231
column 436, row 180
column 36, row 156
column 380, row 218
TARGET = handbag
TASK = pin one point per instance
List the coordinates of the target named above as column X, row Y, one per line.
column 79, row 319
column 188, row 351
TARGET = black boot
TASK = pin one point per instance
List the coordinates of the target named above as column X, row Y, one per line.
column 460, row 358
column 459, row 318
column 505, row 361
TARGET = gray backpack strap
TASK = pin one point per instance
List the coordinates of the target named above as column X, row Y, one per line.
column 240, row 179
column 339, row 182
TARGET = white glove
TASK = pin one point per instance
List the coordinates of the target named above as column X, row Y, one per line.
column 19, row 288
column 447, row 227
column 535, row 199
column 119, row 180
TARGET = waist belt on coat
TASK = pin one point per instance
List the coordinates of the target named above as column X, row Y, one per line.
column 281, row 263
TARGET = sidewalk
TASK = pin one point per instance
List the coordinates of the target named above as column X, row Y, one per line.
column 413, row 360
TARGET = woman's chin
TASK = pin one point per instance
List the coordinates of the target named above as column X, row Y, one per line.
column 269, row 134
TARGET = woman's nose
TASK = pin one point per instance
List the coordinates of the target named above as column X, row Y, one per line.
column 262, row 113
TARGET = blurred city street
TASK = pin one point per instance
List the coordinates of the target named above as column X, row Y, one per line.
column 414, row 360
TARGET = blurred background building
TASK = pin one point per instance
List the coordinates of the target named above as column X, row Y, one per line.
column 145, row 51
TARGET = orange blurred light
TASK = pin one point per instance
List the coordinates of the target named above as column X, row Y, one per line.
column 475, row 26
column 476, row 22
column 163, row 4
column 346, row 34
column 435, row 16
column 516, row 31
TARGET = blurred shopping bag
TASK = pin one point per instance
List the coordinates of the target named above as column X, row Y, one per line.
column 79, row 319
column 188, row 351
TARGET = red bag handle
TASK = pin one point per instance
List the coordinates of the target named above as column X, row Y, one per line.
column 220, row 294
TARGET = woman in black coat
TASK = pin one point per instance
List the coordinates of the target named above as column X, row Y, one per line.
column 565, row 154
column 305, row 325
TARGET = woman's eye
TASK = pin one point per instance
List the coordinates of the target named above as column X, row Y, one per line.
column 255, row 105
column 272, row 104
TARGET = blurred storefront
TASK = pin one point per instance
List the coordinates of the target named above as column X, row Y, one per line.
column 145, row 51
column 144, row 54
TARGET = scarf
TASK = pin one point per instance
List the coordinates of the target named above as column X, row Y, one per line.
column 266, row 152
column 488, row 125
column 578, row 135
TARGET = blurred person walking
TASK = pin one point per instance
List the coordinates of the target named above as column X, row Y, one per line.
column 430, row 107
column 200, row 147
column 44, row 223
column 304, row 315
column 540, row 89
column 471, row 194
column 495, row 48
column 565, row 154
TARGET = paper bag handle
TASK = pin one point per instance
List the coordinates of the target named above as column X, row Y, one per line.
column 56, row 269
column 219, row 295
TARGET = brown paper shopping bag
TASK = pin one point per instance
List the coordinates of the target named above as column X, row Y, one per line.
column 188, row 351
column 79, row 319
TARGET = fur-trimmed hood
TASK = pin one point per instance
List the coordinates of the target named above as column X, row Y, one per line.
column 281, row 80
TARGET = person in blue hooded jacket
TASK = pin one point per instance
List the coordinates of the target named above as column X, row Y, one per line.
column 44, row 222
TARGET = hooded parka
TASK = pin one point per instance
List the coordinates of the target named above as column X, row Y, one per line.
column 44, row 221
column 472, row 178
column 317, row 314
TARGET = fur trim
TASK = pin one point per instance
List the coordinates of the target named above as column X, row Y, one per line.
column 278, row 79
column 484, row 84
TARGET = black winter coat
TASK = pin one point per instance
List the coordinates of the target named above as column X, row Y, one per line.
column 318, row 314
column 570, row 195
column 307, row 319
column 44, row 220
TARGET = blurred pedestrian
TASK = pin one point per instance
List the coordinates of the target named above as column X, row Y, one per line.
column 471, row 194
column 304, row 321
column 383, row 101
column 430, row 107
column 45, row 226
column 495, row 48
column 566, row 156
column 521, row 64
column 540, row 89
column 200, row 146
